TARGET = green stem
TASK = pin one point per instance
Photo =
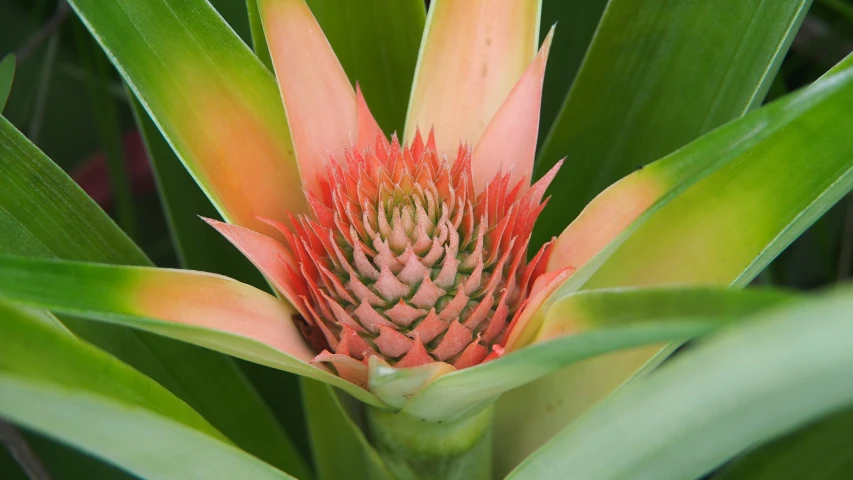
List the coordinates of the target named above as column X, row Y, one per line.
column 416, row 449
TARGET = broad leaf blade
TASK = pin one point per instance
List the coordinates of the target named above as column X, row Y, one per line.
column 583, row 325
column 642, row 65
column 816, row 452
column 37, row 351
column 43, row 212
column 714, row 401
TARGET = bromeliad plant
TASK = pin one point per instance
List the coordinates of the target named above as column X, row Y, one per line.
column 405, row 270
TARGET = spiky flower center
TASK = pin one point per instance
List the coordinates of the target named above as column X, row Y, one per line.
column 401, row 258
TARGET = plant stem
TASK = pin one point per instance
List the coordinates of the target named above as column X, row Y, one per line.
column 416, row 449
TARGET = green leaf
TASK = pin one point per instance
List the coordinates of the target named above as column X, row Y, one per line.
column 642, row 65
column 213, row 100
column 138, row 440
column 377, row 43
column 44, row 213
column 259, row 41
column 816, row 452
column 583, row 325
column 208, row 310
column 334, row 435
column 576, row 23
column 35, row 350
column 735, row 198
column 748, row 384
column 7, row 73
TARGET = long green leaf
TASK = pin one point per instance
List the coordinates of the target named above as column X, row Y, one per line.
column 641, row 93
column 138, row 440
column 817, row 452
column 746, row 385
column 334, row 436
column 44, row 213
column 733, row 200
column 38, row 351
column 377, row 43
column 583, row 325
column 259, row 41
column 576, row 23
column 7, row 73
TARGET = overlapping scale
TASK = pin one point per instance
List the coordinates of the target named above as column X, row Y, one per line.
column 401, row 258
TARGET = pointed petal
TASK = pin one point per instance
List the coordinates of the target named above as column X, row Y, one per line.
column 528, row 319
column 417, row 356
column 472, row 54
column 267, row 254
column 456, row 338
column 318, row 98
column 347, row 367
column 605, row 218
column 509, row 140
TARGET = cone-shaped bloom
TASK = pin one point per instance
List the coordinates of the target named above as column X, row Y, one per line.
column 408, row 253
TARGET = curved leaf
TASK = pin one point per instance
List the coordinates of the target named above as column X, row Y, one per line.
column 583, row 325
column 44, row 213
column 816, row 452
column 207, row 310
column 138, row 440
column 38, row 351
column 745, row 385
